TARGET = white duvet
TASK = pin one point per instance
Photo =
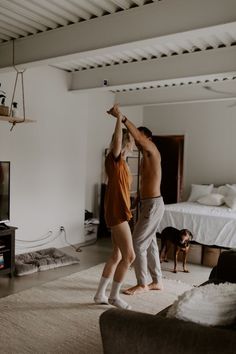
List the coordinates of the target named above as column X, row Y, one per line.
column 210, row 225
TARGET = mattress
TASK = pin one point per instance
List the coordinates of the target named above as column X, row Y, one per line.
column 210, row 225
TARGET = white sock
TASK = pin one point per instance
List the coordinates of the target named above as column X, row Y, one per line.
column 114, row 298
column 100, row 296
column 121, row 304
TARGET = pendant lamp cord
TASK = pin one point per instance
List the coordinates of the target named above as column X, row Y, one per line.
column 18, row 72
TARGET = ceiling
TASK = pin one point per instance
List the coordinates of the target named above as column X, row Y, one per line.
column 22, row 18
column 126, row 46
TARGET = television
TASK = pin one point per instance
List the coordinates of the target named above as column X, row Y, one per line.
column 4, row 192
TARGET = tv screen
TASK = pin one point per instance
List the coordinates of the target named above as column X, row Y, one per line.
column 4, row 191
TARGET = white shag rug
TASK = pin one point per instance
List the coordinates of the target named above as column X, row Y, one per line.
column 61, row 317
column 209, row 305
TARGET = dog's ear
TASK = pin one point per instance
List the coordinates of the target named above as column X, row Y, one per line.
column 184, row 232
column 190, row 235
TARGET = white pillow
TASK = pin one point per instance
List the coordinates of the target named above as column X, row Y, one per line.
column 214, row 199
column 224, row 190
column 230, row 201
column 199, row 190
column 231, row 189
column 210, row 305
column 215, row 190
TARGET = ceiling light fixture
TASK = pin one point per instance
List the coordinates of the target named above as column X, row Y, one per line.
column 209, row 88
column 231, row 94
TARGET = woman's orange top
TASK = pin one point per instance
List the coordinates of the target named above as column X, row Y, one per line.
column 117, row 196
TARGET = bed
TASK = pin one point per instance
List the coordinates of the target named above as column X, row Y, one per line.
column 210, row 225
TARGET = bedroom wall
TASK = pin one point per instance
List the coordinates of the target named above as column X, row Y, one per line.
column 210, row 143
column 48, row 159
column 57, row 162
column 99, row 128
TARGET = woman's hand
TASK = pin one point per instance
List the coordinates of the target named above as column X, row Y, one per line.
column 115, row 111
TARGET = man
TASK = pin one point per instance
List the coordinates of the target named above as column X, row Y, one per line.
column 151, row 212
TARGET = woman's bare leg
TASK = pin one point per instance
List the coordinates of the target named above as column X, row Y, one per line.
column 123, row 240
column 108, row 271
column 114, row 259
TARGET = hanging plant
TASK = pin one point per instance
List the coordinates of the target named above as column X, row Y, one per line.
column 4, row 110
column 3, row 98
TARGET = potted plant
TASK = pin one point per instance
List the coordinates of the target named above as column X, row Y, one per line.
column 4, row 110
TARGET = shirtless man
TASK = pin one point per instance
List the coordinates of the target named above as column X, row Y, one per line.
column 151, row 212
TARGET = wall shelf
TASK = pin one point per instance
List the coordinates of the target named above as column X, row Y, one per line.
column 11, row 119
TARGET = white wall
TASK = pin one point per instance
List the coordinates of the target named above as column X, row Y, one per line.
column 210, row 142
column 98, row 134
column 48, row 158
column 57, row 162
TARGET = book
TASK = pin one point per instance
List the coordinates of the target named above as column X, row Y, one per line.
column 1, row 261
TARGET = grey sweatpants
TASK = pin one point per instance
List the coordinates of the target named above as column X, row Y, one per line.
column 145, row 242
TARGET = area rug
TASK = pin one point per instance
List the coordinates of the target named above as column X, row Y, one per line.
column 60, row 316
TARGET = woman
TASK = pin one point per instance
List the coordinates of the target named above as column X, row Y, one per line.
column 117, row 215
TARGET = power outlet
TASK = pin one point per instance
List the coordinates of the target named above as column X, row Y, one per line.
column 62, row 228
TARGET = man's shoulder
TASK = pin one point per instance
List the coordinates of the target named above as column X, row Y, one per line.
column 152, row 155
column 153, row 150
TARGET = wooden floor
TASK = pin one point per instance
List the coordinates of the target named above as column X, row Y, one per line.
column 91, row 256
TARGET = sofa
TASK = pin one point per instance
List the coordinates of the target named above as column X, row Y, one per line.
column 130, row 332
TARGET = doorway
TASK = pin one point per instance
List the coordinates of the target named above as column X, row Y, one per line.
column 171, row 148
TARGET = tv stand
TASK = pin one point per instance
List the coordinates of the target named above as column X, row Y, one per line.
column 7, row 250
column 3, row 226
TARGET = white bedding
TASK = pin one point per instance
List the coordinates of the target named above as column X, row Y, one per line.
column 210, row 225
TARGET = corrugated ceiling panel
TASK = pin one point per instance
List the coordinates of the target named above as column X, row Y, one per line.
column 33, row 16
column 177, row 44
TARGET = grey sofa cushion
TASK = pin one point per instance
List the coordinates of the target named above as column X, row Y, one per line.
column 127, row 332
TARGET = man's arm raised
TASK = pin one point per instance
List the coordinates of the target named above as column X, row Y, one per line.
column 142, row 140
column 139, row 138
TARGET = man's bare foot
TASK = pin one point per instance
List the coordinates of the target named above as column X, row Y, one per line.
column 155, row 286
column 137, row 289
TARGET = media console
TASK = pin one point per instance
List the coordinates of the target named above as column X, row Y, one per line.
column 7, row 250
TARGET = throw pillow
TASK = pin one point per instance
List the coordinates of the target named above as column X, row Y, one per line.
column 230, row 201
column 224, row 190
column 213, row 199
column 210, row 305
column 199, row 190
column 215, row 190
column 231, row 189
